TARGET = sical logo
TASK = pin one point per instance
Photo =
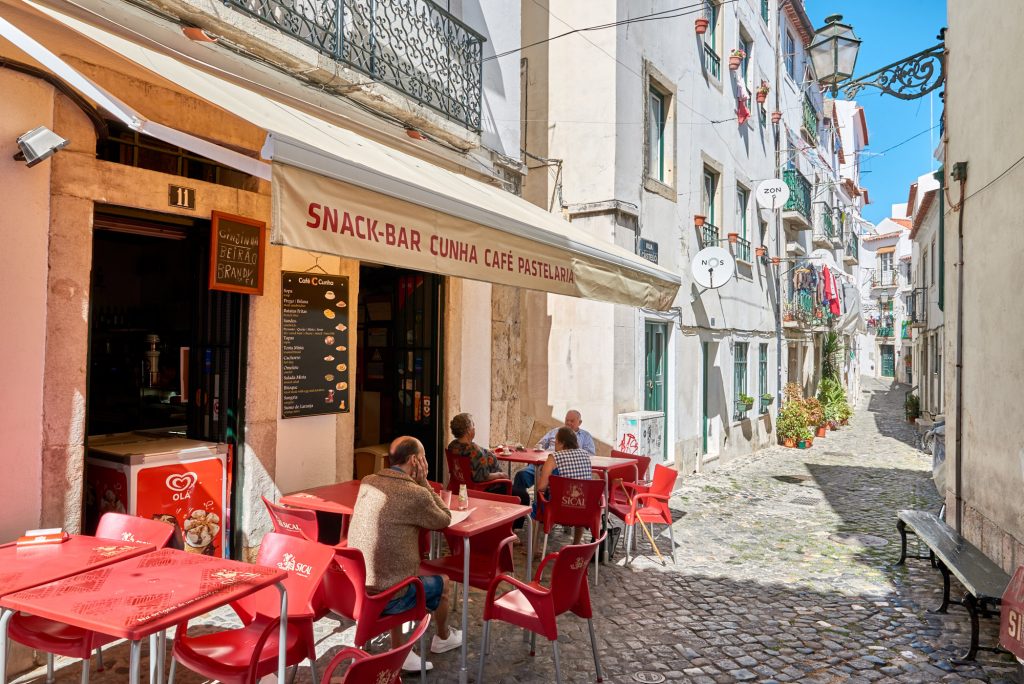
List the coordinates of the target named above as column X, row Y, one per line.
column 289, row 563
column 291, row 527
column 574, row 497
column 127, row 536
column 182, row 485
column 387, row 676
column 228, row 577
column 578, row 563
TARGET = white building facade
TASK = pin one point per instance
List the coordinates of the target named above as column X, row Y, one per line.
column 927, row 297
column 884, row 289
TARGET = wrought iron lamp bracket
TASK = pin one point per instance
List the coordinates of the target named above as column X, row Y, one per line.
column 907, row 79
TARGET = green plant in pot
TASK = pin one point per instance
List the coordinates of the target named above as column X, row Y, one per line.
column 912, row 405
column 767, row 399
column 804, row 437
column 791, row 424
column 746, row 401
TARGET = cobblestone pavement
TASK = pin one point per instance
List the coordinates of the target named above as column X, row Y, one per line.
column 784, row 574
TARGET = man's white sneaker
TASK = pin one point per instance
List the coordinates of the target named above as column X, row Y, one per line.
column 454, row 640
column 412, row 663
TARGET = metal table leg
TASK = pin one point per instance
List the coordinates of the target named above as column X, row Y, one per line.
column 5, row 617
column 529, row 569
column 133, row 664
column 463, row 672
column 282, row 640
column 154, row 647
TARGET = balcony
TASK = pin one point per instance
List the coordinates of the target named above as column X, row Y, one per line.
column 708, row 235
column 824, row 226
column 884, row 331
column 413, row 46
column 885, row 279
column 797, row 210
column 741, row 250
column 852, row 252
column 810, row 120
column 801, row 309
column 712, row 62
column 917, row 307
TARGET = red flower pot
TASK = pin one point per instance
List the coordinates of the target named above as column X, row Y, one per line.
column 761, row 97
column 789, row 442
column 734, row 63
column 822, row 431
column 733, row 238
column 701, row 26
column 698, row 220
column 760, row 251
column 776, row 117
column 775, row 260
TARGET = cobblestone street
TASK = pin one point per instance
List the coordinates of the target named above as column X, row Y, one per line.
column 784, row 573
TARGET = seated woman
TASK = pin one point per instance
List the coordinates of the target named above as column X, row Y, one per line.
column 568, row 461
column 482, row 461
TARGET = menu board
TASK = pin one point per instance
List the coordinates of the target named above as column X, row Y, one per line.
column 314, row 344
column 236, row 253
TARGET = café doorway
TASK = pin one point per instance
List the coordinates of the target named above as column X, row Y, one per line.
column 399, row 360
column 166, row 374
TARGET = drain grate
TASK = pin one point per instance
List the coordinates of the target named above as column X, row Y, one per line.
column 805, row 501
column 792, row 479
column 648, row 677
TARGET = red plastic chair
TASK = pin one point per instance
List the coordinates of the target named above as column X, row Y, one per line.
column 243, row 655
column 460, row 472
column 536, row 608
column 571, row 502
column 294, row 522
column 73, row 642
column 345, row 589
column 384, row 668
column 648, row 504
column 634, row 469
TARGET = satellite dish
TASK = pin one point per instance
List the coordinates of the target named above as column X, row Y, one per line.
column 772, row 194
column 713, row 267
column 826, row 257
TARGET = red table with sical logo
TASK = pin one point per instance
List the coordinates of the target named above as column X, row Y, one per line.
column 24, row 567
column 333, row 499
column 145, row 595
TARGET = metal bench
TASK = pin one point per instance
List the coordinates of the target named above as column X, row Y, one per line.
column 983, row 580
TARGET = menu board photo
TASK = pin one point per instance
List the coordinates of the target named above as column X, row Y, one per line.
column 237, row 247
column 314, row 344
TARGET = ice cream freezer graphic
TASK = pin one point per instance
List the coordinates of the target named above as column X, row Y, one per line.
column 641, row 432
column 179, row 481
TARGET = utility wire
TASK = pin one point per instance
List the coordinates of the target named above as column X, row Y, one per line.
column 1007, row 170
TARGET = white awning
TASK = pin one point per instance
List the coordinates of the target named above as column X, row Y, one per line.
column 338, row 192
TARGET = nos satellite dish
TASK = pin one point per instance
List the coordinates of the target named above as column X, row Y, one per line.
column 713, row 267
column 826, row 257
column 772, row 194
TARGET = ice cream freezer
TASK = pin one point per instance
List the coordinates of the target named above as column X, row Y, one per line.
column 180, row 481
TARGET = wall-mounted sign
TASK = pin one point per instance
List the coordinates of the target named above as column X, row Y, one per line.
column 648, row 249
column 179, row 196
column 236, row 253
column 314, row 344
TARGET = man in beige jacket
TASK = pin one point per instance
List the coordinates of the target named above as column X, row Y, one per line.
column 391, row 509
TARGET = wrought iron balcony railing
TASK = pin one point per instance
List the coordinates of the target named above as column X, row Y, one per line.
column 708, row 235
column 413, row 46
column 888, row 278
column 802, row 308
column 741, row 249
column 824, row 226
column 853, row 246
column 883, row 331
column 917, row 306
column 799, row 193
column 810, row 121
column 712, row 62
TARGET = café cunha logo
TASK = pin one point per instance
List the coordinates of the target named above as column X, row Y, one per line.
column 289, row 563
column 181, row 484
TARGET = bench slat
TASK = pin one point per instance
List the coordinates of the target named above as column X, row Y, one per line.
column 976, row 571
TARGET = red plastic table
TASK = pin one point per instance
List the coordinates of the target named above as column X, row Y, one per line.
column 486, row 515
column 145, row 595
column 333, row 499
column 29, row 566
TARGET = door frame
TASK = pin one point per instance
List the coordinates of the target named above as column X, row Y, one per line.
column 666, row 379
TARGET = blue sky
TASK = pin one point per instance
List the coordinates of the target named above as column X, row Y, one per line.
column 891, row 30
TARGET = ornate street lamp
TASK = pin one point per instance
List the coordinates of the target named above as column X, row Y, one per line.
column 834, row 54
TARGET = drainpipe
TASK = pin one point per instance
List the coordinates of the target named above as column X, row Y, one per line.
column 778, row 217
column 959, row 174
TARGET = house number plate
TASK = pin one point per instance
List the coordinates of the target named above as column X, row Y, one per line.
column 178, row 196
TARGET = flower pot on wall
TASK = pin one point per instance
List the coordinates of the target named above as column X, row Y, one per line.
column 760, row 251
column 776, row 117
column 701, row 26
column 734, row 63
column 733, row 238
column 761, row 97
column 776, row 260
column 698, row 220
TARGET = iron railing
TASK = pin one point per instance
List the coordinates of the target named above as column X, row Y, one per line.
column 411, row 45
column 799, row 193
column 884, row 331
column 810, row 121
column 802, row 306
column 708, row 235
column 917, row 306
column 853, row 246
column 712, row 62
column 825, row 226
column 742, row 249
column 888, row 278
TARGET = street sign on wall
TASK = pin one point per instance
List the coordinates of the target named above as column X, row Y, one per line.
column 648, row 249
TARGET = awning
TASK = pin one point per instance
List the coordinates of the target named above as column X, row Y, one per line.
column 337, row 192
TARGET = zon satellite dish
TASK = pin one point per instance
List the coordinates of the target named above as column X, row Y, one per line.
column 825, row 257
column 713, row 267
column 772, row 194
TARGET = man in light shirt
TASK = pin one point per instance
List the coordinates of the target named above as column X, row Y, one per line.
column 525, row 477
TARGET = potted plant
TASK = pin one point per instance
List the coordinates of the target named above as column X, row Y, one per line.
column 698, row 220
column 746, row 401
column 761, row 251
column 700, row 24
column 792, row 420
column 735, row 58
column 804, row 438
column 912, row 405
column 767, row 399
column 733, row 238
column 762, row 92
column 815, row 415
column 776, row 260
column 776, row 117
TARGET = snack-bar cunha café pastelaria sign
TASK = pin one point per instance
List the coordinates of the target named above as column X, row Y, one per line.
column 321, row 214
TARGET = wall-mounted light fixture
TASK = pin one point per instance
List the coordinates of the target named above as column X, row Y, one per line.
column 39, row 144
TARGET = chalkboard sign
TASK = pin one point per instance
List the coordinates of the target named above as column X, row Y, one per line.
column 236, row 253
column 314, row 344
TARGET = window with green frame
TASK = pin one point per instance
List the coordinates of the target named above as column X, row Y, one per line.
column 762, row 374
column 739, row 376
column 747, row 46
column 764, row 10
column 655, row 135
column 789, row 53
column 711, row 14
column 708, row 200
column 742, row 204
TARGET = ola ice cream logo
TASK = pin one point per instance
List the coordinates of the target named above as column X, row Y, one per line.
column 182, row 485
